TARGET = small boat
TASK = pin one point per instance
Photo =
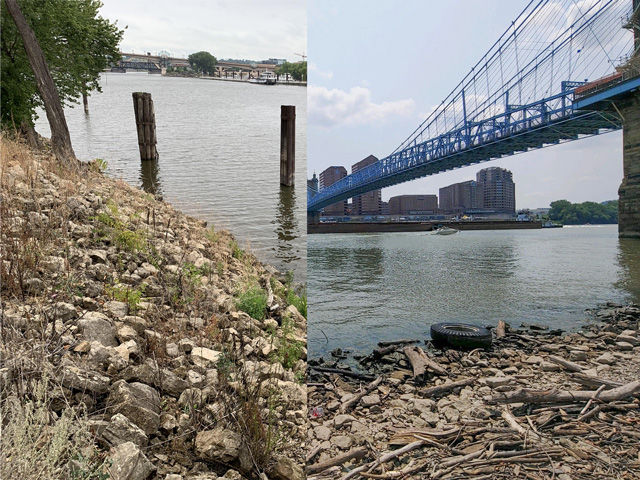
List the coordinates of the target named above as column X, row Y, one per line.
column 442, row 230
column 550, row 224
column 265, row 78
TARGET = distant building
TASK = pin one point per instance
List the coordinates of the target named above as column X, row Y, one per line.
column 384, row 208
column 368, row 203
column 313, row 182
column 498, row 189
column 461, row 197
column 413, row 205
column 327, row 178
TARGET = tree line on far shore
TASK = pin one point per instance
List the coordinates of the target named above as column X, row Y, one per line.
column 586, row 212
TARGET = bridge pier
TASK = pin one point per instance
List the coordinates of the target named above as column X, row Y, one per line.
column 629, row 192
column 313, row 218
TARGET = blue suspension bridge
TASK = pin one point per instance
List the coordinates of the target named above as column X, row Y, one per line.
column 554, row 76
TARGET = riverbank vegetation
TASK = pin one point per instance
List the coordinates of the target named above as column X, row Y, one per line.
column 582, row 213
column 77, row 44
column 127, row 351
column 298, row 71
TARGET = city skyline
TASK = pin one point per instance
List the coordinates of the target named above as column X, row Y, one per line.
column 395, row 65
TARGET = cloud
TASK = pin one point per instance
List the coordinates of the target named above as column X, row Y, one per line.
column 316, row 71
column 331, row 108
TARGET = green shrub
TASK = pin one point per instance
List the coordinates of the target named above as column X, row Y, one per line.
column 253, row 302
column 290, row 349
column 300, row 302
column 125, row 293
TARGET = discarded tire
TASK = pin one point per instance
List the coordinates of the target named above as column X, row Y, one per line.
column 460, row 335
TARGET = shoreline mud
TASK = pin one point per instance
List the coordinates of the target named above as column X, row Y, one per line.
column 537, row 404
column 149, row 344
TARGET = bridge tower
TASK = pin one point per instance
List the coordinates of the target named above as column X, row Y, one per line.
column 629, row 192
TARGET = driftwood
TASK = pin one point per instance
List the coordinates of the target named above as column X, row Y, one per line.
column 531, row 395
column 589, row 381
column 447, row 387
column 384, row 458
column 420, row 362
column 328, row 474
column 500, row 330
column 359, row 452
column 382, row 351
column 346, row 373
column 513, row 423
column 398, row 342
column 354, row 400
column 566, row 364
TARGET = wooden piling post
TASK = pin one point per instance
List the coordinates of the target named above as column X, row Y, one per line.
column 287, row 145
column 146, row 125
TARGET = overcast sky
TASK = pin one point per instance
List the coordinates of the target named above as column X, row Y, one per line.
column 377, row 69
column 249, row 29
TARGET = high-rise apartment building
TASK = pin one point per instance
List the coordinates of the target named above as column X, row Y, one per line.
column 461, row 197
column 328, row 177
column 413, row 204
column 498, row 189
column 368, row 203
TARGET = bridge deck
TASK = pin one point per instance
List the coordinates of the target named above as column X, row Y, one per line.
column 549, row 121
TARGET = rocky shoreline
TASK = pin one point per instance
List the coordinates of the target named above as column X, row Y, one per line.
column 136, row 342
column 537, row 404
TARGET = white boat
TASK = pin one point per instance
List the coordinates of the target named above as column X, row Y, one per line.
column 265, row 78
column 442, row 230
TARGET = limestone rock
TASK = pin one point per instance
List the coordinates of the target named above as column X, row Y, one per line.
column 121, row 430
column 117, row 309
column 84, row 380
column 219, row 445
column 138, row 402
column 129, row 463
column 370, row 400
column 205, row 357
column 96, row 327
column 287, row 469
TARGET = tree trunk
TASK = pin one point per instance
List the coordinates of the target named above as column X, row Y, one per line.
column 30, row 134
column 60, row 138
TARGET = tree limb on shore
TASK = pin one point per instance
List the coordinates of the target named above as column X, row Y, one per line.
column 420, row 362
column 354, row 401
column 440, row 389
column 359, row 452
column 531, row 395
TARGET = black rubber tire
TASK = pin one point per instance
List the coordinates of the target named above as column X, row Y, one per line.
column 460, row 335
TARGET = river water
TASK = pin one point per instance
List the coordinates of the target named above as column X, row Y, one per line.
column 364, row 288
column 219, row 146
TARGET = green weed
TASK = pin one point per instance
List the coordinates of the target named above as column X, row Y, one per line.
column 125, row 293
column 253, row 302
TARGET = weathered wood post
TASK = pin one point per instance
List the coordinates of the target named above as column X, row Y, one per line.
column 146, row 124
column 287, row 145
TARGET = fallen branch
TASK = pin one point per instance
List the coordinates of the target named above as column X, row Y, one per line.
column 384, row 458
column 434, row 391
column 531, row 395
column 589, row 381
column 346, row 373
column 419, row 363
column 513, row 423
column 566, row 364
column 359, row 452
column 355, row 399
